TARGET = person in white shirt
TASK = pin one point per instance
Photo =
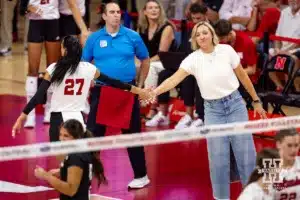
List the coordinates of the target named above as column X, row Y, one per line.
column 71, row 80
column 237, row 12
column 257, row 188
column 217, row 70
column 288, row 145
column 288, row 26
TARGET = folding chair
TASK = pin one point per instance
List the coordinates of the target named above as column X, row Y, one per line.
column 279, row 63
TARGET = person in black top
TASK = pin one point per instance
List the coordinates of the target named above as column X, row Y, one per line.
column 158, row 34
column 77, row 169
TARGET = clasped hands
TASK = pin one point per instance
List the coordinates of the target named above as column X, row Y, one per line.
column 147, row 96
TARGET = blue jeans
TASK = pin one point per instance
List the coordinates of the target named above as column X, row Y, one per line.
column 228, row 109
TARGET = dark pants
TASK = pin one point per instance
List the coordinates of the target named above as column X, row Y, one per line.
column 136, row 154
column 189, row 91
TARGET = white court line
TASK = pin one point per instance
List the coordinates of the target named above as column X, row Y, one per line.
column 97, row 197
column 18, row 188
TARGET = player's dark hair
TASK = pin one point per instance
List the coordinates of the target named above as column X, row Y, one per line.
column 75, row 128
column 280, row 135
column 266, row 153
column 68, row 62
column 198, row 8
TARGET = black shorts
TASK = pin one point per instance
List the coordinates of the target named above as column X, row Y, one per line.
column 43, row 30
column 56, row 121
column 68, row 26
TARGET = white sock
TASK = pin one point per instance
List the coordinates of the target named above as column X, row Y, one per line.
column 31, row 88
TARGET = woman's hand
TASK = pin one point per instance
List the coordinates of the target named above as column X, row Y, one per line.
column 18, row 124
column 148, row 97
column 40, row 173
column 35, row 10
column 258, row 109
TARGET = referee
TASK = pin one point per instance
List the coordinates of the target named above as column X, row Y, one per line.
column 113, row 50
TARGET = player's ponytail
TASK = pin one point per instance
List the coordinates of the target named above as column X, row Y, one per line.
column 68, row 62
column 98, row 169
column 265, row 153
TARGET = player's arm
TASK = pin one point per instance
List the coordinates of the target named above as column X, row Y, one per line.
column 69, row 187
column 34, row 101
column 117, row 84
column 78, row 19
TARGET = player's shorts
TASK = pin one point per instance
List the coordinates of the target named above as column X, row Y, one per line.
column 68, row 26
column 56, row 120
column 43, row 30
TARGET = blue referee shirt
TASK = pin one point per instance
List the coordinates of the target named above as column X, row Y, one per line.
column 114, row 56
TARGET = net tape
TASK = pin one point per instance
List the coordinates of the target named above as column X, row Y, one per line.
column 146, row 138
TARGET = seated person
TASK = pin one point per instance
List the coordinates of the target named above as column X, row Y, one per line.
column 158, row 35
column 241, row 43
column 288, row 26
column 189, row 89
column 237, row 12
column 265, row 17
column 213, row 7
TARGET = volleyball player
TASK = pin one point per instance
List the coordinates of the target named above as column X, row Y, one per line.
column 71, row 81
column 43, row 29
column 287, row 142
column 77, row 169
column 256, row 189
column 71, row 19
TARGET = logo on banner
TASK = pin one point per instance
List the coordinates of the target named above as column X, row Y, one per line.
column 280, row 62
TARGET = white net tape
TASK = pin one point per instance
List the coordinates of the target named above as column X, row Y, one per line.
column 146, row 138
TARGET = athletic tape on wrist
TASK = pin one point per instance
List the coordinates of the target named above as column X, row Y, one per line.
column 146, row 138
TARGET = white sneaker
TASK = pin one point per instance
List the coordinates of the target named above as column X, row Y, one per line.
column 5, row 51
column 139, row 182
column 30, row 121
column 184, row 122
column 158, row 119
column 197, row 123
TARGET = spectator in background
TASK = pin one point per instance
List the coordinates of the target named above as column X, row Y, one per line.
column 264, row 18
column 7, row 14
column 241, row 43
column 237, row 12
column 198, row 13
column 288, row 26
column 158, row 35
column 213, row 7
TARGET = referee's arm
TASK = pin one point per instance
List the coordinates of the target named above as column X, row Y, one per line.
column 142, row 54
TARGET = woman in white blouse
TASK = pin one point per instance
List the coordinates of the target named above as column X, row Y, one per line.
column 217, row 70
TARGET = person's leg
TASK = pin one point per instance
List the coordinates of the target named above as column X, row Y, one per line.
column 136, row 154
column 152, row 82
column 188, row 96
column 161, row 117
column 52, row 46
column 199, row 104
column 218, row 151
column 98, row 130
column 35, row 46
column 242, row 145
column 7, row 14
